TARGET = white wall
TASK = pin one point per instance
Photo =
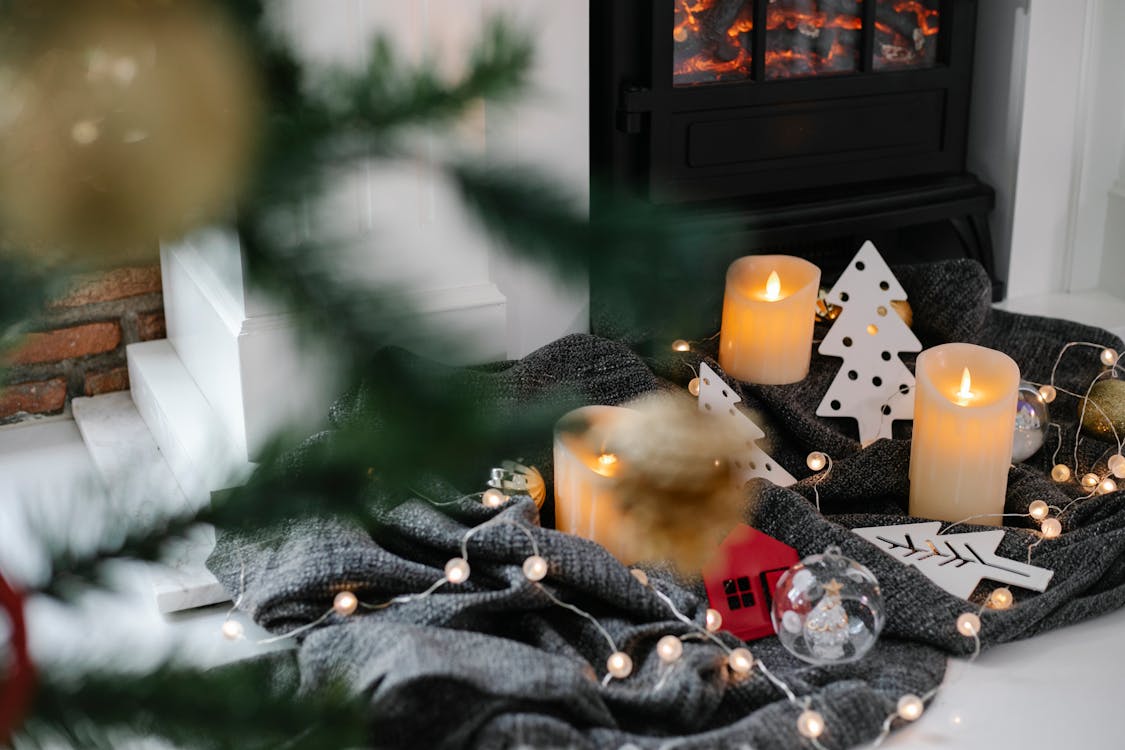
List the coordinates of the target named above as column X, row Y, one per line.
column 1048, row 132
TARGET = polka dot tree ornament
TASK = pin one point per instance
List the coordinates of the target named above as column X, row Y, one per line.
column 17, row 676
column 828, row 609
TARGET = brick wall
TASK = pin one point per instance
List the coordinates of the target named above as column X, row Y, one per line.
column 78, row 347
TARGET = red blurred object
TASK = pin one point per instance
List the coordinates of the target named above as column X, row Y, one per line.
column 17, row 685
column 740, row 580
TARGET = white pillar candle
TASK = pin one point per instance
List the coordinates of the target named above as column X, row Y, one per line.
column 964, row 420
column 768, row 312
column 585, row 503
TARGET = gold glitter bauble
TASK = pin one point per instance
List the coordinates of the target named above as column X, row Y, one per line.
column 1109, row 396
column 123, row 122
column 674, row 482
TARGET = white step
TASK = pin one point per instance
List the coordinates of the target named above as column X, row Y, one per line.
column 128, row 459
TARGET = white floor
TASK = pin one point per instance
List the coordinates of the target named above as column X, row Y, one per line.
column 1055, row 690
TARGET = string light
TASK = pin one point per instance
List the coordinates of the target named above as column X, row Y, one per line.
column 457, row 570
column 1038, row 510
column 1061, row 473
column 232, row 630
column 669, row 649
column 1116, row 465
column 607, row 459
column 910, row 707
column 535, row 568
column 1090, row 481
column 810, row 724
column 640, row 575
column 740, row 661
column 1107, row 486
column 693, row 387
column 619, row 664
column 968, row 624
column 679, row 345
column 714, row 621
column 345, row 603
column 1109, row 357
column 1048, row 393
column 1051, row 528
column 494, row 498
column 816, row 461
column 1001, row 599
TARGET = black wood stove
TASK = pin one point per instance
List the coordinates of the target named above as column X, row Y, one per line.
column 816, row 124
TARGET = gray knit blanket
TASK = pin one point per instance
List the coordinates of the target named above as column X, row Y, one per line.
column 494, row 663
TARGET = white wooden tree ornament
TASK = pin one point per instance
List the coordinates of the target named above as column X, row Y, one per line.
column 719, row 399
column 956, row 562
column 873, row 386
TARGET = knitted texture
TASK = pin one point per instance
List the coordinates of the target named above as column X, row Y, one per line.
column 493, row 663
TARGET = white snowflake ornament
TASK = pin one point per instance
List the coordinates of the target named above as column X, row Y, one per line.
column 873, row 386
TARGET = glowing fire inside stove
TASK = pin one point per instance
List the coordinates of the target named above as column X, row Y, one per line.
column 714, row 39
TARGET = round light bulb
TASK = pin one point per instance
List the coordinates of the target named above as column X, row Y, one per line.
column 1109, row 357
column 968, row 624
column 457, row 570
column 1038, row 510
column 619, row 665
column 810, row 724
column 669, row 649
column 910, row 707
column 1051, row 528
column 1047, row 393
column 740, row 661
column 345, row 603
column 1061, row 473
column 693, row 387
column 1116, row 465
column 1107, row 486
column 85, row 132
column 232, row 630
column 714, row 620
column 1090, row 481
column 816, row 461
column 124, row 70
column 679, row 345
column 493, row 498
column 1001, row 598
column 640, row 575
column 535, row 568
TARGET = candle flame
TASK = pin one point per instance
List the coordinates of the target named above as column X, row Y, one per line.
column 773, row 287
column 607, row 459
column 966, row 392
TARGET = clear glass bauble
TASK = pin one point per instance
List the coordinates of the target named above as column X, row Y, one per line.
column 1032, row 419
column 827, row 609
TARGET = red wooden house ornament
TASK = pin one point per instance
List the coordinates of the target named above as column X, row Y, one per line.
column 740, row 580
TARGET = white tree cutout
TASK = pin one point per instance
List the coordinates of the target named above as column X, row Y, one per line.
column 956, row 562
column 873, row 386
column 719, row 399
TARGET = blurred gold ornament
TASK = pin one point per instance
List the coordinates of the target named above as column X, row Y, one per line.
column 513, row 478
column 122, row 122
column 1104, row 410
column 675, row 488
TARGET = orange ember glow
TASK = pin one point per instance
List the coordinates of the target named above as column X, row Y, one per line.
column 714, row 39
